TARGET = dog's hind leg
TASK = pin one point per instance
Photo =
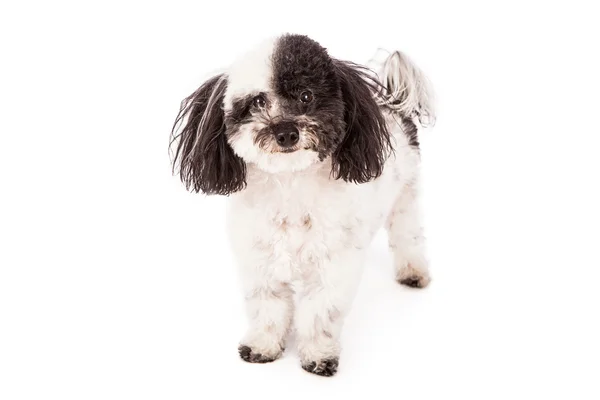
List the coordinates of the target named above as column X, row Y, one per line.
column 406, row 240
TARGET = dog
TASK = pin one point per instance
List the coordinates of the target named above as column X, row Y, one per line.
column 315, row 154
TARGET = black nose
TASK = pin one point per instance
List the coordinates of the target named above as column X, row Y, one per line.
column 286, row 134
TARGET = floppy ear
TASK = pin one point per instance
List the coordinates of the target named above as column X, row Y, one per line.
column 207, row 162
column 364, row 148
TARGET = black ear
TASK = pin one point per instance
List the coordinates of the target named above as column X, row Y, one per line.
column 207, row 162
column 361, row 155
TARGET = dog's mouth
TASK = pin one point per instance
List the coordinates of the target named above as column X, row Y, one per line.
column 286, row 150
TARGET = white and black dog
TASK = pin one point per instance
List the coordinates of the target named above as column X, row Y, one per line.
column 315, row 155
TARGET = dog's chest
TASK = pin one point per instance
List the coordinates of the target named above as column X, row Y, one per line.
column 305, row 234
column 300, row 222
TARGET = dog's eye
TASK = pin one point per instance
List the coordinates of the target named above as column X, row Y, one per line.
column 306, row 97
column 259, row 101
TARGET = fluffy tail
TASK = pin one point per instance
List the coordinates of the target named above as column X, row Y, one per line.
column 406, row 90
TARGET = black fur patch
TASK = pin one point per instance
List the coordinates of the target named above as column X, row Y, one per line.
column 349, row 125
column 239, row 114
column 240, row 110
column 301, row 64
column 410, row 130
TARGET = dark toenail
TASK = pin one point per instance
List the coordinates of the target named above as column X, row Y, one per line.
column 323, row 367
column 411, row 282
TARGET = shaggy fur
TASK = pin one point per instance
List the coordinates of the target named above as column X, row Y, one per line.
column 302, row 212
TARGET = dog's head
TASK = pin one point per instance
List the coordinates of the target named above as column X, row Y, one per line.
column 283, row 107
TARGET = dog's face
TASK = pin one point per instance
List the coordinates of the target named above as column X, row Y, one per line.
column 282, row 108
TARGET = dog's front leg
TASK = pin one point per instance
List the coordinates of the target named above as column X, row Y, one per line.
column 329, row 286
column 269, row 306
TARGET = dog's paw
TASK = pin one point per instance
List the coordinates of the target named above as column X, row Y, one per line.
column 322, row 367
column 413, row 277
column 247, row 354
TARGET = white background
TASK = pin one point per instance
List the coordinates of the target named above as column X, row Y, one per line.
column 115, row 283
